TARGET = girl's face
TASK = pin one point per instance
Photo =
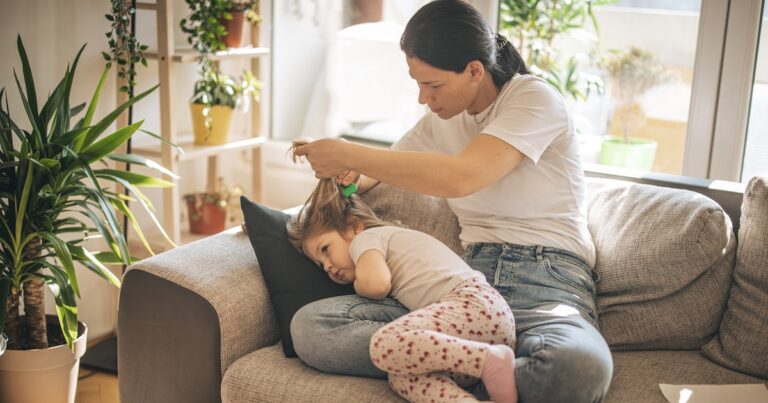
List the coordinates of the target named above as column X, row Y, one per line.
column 445, row 93
column 330, row 251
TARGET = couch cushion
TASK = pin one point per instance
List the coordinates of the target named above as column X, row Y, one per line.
column 291, row 278
column 742, row 343
column 637, row 374
column 665, row 258
column 419, row 212
column 266, row 376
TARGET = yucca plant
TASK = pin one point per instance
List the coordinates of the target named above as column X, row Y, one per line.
column 53, row 197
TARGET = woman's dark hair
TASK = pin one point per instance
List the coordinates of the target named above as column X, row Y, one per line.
column 448, row 34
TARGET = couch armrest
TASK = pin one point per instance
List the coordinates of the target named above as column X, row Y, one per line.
column 186, row 315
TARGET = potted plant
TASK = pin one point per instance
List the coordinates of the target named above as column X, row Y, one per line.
column 52, row 203
column 215, row 97
column 238, row 12
column 215, row 94
column 208, row 210
column 630, row 73
column 534, row 25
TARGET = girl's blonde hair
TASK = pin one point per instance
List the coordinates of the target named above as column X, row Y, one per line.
column 328, row 209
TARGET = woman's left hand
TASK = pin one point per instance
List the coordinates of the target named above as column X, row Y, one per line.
column 326, row 156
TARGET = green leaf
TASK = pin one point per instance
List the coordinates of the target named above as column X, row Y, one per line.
column 123, row 208
column 92, row 106
column 66, row 304
column 62, row 252
column 138, row 160
column 99, row 127
column 96, row 264
column 28, row 80
column 21, row 208
column 134, row 178
column 108, row 144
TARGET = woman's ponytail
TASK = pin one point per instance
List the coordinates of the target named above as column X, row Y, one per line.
column 508, row 62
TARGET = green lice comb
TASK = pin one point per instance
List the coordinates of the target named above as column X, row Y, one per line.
column 349, row 189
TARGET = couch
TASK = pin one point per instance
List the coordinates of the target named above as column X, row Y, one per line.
column 196, row 325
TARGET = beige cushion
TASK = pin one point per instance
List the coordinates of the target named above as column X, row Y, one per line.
column 422, row 213
column 267, row 376
column 637, row 374
column 742, row 343
column 665, row 258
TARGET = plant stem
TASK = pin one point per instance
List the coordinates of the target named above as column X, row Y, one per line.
column 34, row 303
column 12, row 319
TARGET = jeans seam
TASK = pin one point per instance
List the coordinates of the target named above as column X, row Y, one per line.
column 347, row 311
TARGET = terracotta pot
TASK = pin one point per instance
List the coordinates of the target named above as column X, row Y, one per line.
column 234, row 27
column 43, row 375
column 205, row 217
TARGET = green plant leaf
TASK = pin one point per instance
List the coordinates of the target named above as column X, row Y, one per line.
column 123, row 208
column 103, row 147
column 134, row 178
column 66, row 304
column 95, row 263
column 92, row 106
column 99, row 127
column 62, row 252
column 138, row 160
column 28, row 80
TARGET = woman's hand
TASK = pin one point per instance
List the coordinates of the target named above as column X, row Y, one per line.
column 326, row 156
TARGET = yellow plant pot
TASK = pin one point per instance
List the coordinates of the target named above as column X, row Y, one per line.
column 221, row 117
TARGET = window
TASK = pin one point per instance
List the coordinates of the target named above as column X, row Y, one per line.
column 756, row 149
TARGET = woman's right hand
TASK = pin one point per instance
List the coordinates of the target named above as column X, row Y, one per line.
column 349, row 177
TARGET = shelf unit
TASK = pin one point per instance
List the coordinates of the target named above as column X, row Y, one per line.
column 166, row 55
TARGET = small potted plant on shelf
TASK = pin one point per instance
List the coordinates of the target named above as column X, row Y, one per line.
column 208, row 211
column 238, row 12
column 53, row 204
column 630, row 73
column 215, row 97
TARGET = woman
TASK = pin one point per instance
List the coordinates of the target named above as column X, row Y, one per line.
column 500, row 145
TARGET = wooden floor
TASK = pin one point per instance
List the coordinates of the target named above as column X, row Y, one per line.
column 96, row 387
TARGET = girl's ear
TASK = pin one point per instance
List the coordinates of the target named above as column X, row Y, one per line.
column 357, row 225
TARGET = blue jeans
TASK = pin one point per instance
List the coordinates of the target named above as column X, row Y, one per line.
column 560, row 354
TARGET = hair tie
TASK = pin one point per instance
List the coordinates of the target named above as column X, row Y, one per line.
column 501, row 41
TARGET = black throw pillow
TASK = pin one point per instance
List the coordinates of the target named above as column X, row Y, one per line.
column 292, row 279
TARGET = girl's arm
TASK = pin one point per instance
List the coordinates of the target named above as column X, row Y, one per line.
column 485, row 160
column 372, row 276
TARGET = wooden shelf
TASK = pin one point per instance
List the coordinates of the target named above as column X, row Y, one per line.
column 193, row 152
column 191, row 55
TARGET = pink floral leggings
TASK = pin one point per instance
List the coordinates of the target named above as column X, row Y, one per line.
column 428, row 353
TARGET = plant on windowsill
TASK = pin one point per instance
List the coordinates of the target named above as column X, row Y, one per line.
column 215, row 98
column 533, row 26
column 53, row 204
column 630, row 74
column 208, row 211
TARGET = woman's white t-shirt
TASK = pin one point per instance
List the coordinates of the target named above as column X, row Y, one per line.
column 542, row 200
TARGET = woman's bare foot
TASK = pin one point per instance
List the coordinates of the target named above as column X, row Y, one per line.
column 499, row 374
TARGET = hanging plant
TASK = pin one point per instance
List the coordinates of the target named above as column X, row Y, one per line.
column 124, row 49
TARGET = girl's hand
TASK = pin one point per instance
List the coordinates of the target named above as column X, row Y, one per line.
column 326, row 156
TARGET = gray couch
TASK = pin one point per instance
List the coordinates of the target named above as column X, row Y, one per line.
column 196, row 324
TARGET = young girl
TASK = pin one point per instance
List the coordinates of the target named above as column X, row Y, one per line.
column 459, row 328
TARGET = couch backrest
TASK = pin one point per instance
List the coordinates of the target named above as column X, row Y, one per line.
column 665, row 257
